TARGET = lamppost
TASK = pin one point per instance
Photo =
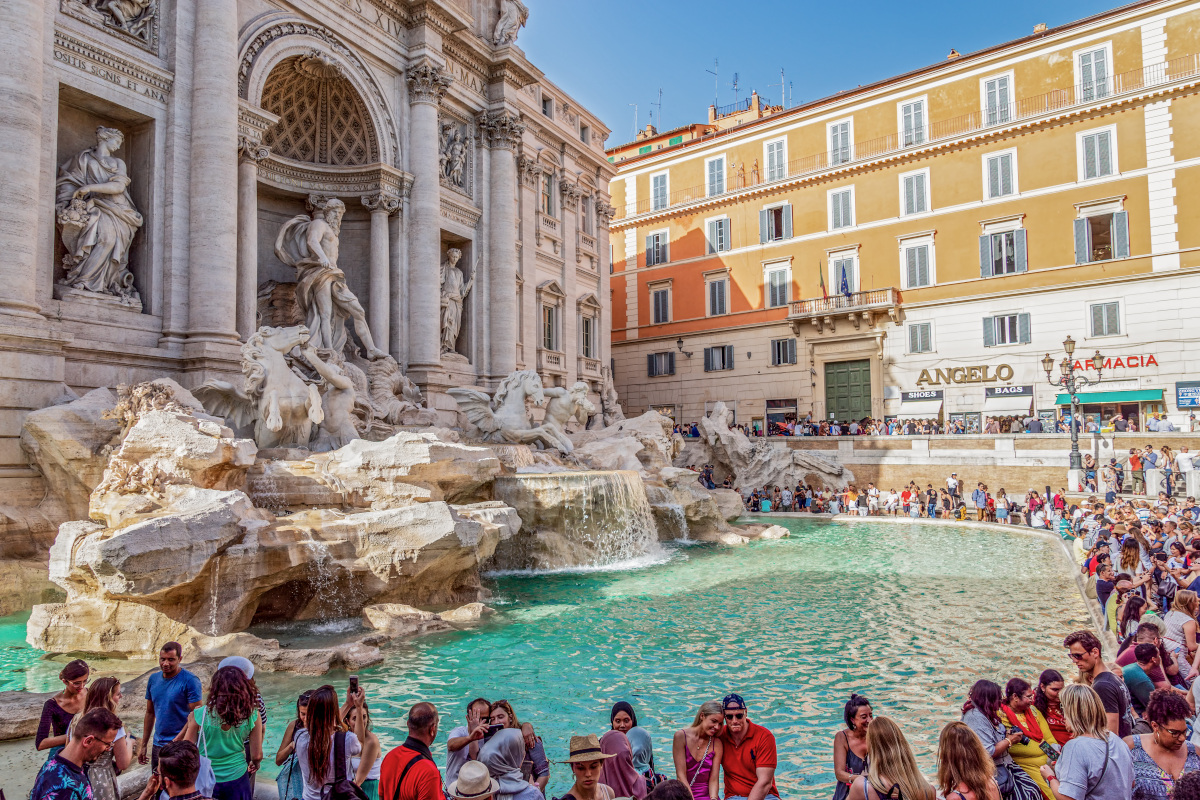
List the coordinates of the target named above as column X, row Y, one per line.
column 1072, row 381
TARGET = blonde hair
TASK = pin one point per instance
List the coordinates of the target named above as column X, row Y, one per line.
column 962, row 760
column 513, row 722
column 707, row 710
column 1084, row 711
column 1186, row 601
column 890, row 761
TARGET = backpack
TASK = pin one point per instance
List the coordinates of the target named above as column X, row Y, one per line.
column 341, row 787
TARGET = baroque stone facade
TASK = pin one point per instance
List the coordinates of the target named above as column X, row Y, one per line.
column 222, row 120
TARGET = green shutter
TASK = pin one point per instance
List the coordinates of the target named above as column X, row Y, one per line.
column 1098, row 320
column 787, row 221
column 674, row 140
column 643, row 150
column 762, row 226
column 1112, row 321
column 1024, row 332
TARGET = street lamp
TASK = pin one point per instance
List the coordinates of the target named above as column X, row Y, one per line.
column 1072, row 381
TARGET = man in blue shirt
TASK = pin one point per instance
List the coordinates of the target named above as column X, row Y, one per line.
column 170, row 697
column 62, row 776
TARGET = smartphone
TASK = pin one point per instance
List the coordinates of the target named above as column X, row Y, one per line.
column 353, row 684
column 494, row 729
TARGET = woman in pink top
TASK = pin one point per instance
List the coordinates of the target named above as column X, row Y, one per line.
column 697, row 752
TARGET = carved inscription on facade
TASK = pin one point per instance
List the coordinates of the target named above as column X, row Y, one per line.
column 113, row 69
column 375, row 16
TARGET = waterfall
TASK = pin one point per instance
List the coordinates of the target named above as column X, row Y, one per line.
column 576, row 519
column 212, row 612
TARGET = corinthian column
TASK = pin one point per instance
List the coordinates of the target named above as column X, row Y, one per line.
column 502, row 132
column 23, row 26
column 249, row 154
column 213, row 228
column 379, row 308
column 427, row 84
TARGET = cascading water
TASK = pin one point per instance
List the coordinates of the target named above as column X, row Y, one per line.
column 212, row 611
column 576, row 519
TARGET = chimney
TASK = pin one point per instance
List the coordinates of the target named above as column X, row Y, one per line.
column 953, row 55
column 1039, row 28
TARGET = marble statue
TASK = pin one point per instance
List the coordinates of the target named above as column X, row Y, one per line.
column 280, row 404
column 393, row 396
column 337, row 402
column 610, row 407
column 454, row 294
column 503, row 418
column 453, row 154
column 513, row 15
column 131, row 16
column 564, row 404
column 310, row 245
column 97, row 219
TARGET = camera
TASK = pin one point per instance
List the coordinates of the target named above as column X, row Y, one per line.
column 1024, row 738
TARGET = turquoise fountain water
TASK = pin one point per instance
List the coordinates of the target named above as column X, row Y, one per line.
column 909, row 616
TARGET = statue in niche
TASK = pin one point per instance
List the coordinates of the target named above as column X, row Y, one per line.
column 97, row 219
column 513, row 15
column 310, row 245
column 454, row 294
column 131, row 16
column 453, row 154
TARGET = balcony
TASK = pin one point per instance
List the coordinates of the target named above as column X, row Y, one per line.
column 588, row 368
column 859, row 309
column 551, row 362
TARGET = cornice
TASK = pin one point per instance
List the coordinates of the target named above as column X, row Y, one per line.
column 75, row 49
column 444, row 20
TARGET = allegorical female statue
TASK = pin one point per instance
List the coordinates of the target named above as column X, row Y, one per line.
column 454, row 292
column 97, row 219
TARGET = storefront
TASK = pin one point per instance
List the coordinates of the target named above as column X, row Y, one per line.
column 1006, row 403
column 666, row 411
column 924, row 405
column 779, row 414
column 1134, row 405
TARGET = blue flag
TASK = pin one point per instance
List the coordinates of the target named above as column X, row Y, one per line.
column 845, row 288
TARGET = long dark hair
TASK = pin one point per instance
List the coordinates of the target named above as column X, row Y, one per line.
column 1134, row 607
column 622, row 706
column 1015, row 688
column 855, row 702
column 323, row 722
column 229, row 696
column 1040, row 701
column 301, row 702
column 985, row 698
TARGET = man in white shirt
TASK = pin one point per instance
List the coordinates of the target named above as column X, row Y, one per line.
column 952, row 484
column 1152, row 423
column 872, row 500
column 1183, row 460
column 786, row 496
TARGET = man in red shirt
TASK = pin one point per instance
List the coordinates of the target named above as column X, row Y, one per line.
column 749, row 758
column 408, row 772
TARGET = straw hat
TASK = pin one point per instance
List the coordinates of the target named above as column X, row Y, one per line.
column 473, row 783
column 585, row 749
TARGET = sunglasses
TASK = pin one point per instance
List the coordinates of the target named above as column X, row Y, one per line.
column 739, row 715
column 1076, row 656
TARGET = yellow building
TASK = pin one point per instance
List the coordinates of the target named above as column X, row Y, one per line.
column 914, row 247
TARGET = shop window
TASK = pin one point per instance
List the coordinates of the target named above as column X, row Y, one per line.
column 1003, row 253
column 920, row 337
column 1102, row 237
column 1006, row 329
column 660, row 364
column 779, row 414
column 783, row 351
column 717, row 359
column 1106, row 319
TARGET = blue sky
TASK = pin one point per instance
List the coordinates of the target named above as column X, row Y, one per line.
column 610, row 53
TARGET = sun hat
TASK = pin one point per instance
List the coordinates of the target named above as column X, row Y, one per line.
column 586, row 748
column 473, row 783
column 242, row 663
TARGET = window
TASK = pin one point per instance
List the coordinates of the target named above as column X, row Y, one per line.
column 549, row 327
column 920, row 337
column 1097, row 157
column 1002, row 253
column 674, row 140
column 718, row 358
column 585, row 134
column 548, row 106
column 783, row 351
column 660, row 364
column 997, row 99
column 914, row 193
column 716, row 175
column 1102, row 237
column 1092, row 75
column 587, row 337
column 657, row 249
column 1106, row 319
column 778, row 280
column 912, row 119
column 841, row 208
column 547, row 203
column 644, row 149
column 718, row 235
column 660, row 301
column 717, row 301
column 586, row 216
column 839, row 143
column 775, row 224
column 777, row 160
column 918, row 265
column 843, row 273
column 658, row 191
column 1006, row 329
column 1000, row 170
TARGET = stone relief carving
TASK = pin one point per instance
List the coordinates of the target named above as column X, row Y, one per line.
column 503, row 418
column 513, row 15
column 605, row 213
column 427, row 83
column 502, row 129
column 570, row 193
column 97, row 220
column 454, row 151
column 454, row 294
column 137, row 19
column 310, row 245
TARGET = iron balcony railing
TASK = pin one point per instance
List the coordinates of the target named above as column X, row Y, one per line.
column 743, row 177
column 840, row 303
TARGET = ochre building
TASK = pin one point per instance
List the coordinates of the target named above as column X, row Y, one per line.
column 914, row 247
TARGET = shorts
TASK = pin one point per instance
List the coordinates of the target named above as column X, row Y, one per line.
column 1001, row 513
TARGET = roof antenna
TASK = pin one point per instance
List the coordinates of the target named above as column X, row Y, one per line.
column 735, row 89
column 659, row 104
column 635, row 119
column 782, row 88
column 716, row 73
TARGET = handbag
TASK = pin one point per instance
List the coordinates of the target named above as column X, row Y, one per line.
column 288, row 777
column 206, row 780
column 341, row 787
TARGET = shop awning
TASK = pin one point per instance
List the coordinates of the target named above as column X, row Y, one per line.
column 1007, row 405
column 920, row 409
column 1131, row 396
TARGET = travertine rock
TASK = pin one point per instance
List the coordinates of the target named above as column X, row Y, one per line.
column 651, row 430
column 729, row 502
column 397, row 619
column 463, row 615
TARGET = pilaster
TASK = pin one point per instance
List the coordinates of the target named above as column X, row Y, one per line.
column 502, row 132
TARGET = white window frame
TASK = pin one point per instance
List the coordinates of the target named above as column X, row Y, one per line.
column 829, row 126
column 1012, row 96
column 1079, row 154
column 767, row 161
column 709, row 279
column 781, row 237
column 724, row 176
column 928, row 192
column 709, row 249
column 834, row 280
column 908, row 351
column 1016, row 188
column 662, row 286
column 924, row 101
column 917, row 240
column 779, row 265
column 555, row 327
column 1120, row 320
column 829, row 208
column 664, row 232
column 1013, row 314
column 666, row 173
column 585, row 133
column 1108, row 66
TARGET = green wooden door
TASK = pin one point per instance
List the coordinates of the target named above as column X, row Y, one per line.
column 848, row 390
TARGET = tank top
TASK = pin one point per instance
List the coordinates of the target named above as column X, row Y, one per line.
column 373, row 775
column 698, row 772
column 854, row 765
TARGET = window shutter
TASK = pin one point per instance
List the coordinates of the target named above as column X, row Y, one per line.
column 650, row 251
column 1082, row 249
column 1085, row 74
column 762, row 226
column 1120, row 229
column 1100, row 73
column 791, row 351
column 664, row 251
column 993, row 177
column 985, row 256
column 671, row 363
column 927, row 337
column 837, row 211
column 1104, row 154
column 1089, row 156
column 910, row 256
column 1112, row 321
column 1022, row 250
column 910, row 199
column 919, row 181
column 728, row 356
column 726, row 234
column 787, row 220
column 989, row 331
column 712, row 236
column 708, row 359
column 650, row 365
column 1098, row 319
column 914, row 338
column 1006, row 174
column 1024, row 335
column 923, row 266
column 847, row 209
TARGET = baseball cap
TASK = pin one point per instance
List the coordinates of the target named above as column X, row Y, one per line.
column 732, row 700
